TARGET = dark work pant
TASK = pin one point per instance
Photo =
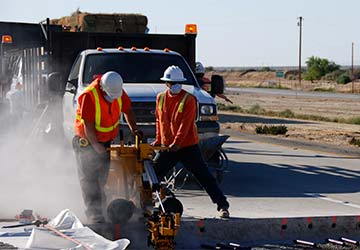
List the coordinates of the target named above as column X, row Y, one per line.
column 93, row 170
column 193, row 161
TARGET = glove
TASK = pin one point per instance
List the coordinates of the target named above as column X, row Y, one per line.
column 155, row 144
column 174, row 148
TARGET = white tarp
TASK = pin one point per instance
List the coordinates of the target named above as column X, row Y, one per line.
column 70, row 225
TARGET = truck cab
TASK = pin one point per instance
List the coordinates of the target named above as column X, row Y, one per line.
column 141, row 70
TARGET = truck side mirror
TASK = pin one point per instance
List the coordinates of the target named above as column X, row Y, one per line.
column 217, row 85
column 54, row 82
column 71, row 86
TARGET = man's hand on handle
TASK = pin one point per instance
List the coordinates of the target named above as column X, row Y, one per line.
column 174, row 148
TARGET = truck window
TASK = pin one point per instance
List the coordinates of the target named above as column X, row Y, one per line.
column 74, row 73
column 135, row 67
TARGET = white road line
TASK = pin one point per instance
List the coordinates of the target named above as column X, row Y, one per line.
column 349, row 204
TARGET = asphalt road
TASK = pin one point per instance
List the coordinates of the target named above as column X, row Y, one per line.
column 263, row 180
column 264, row 183
column 287, row 92
column 270, row 181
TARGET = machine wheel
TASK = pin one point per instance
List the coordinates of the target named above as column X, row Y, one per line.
column 172, row 205
column 120, row 211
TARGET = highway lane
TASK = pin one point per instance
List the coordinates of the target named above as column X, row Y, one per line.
column 272, row 181
column 287, row 92
column 263, row 180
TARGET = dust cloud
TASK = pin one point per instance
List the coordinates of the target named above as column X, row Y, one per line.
column 37, row 168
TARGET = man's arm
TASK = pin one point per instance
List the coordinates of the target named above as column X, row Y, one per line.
column 90, row 132
column 129, row 114
column 224, row 97
column 130, row 118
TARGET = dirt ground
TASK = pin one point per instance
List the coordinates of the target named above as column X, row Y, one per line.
column 337, row 134
column 269, row 79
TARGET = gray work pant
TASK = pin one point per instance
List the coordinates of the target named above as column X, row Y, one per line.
column 93, row 170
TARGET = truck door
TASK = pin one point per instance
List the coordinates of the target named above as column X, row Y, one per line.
column 70, row 98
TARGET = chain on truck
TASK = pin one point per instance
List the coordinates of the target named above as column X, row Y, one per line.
column 54, row 64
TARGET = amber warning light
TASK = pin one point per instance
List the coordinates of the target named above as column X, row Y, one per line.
column 6, row 39
column 191, row 29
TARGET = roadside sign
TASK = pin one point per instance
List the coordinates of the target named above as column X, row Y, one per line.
column 280, row 74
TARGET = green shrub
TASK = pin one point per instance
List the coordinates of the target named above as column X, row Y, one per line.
column 324, row 89
column 343, row 79
column 256, row 109
column 318, row 67
column 221, row 106
column 272, row 130
column 266, row 69
column 355, row 142
column 209, row 68
column 292, row 77
column 233, row 108
column 333, row 76
column 287, row 113
column 354, row 120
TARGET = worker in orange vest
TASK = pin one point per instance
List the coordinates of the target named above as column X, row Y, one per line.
column 96, row 126
column 205, row 83
column 176, row 129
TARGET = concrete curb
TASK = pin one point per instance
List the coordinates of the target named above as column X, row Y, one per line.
column 255, row 232
column 246, row 232
column 251, row 232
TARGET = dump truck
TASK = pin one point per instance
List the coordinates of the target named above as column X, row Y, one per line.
column 55, row 66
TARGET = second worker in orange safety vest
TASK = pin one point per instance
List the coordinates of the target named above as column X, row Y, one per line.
column 176, row 129
column 96, row 126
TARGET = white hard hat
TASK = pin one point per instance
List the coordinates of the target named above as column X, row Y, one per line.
column 112, row 84
column 173, row 74
column 199, row 68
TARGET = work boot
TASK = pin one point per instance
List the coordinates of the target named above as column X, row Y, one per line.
column 224, row 213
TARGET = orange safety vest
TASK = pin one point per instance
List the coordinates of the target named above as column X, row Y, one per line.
column 106, row 123
column 181, row 105
column 171, row 127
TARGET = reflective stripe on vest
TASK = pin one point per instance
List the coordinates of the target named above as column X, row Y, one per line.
column 98, row 113
column 181, row 105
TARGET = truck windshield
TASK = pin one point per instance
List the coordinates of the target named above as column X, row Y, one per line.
column 135, row 67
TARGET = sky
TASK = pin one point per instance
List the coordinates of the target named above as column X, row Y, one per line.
column 231, row 33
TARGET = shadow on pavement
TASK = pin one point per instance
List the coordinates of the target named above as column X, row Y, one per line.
column 231, row 150
column 283, row 180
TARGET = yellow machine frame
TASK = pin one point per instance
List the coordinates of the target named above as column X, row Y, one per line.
column 129, row 179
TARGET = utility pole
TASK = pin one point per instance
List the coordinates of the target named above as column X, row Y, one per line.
column 352, row 68
column 300, row 38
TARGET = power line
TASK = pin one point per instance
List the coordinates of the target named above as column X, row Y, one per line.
column 300, row 38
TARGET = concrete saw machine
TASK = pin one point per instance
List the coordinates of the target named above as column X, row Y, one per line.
column 133, row 185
